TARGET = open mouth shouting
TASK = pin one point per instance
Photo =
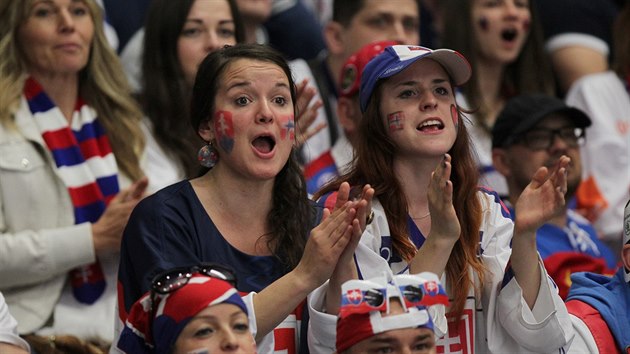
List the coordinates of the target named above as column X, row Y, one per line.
column 264, row 144
column 509, row 34
column 430, row 125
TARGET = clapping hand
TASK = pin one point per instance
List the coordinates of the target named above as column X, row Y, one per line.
column 543, row 198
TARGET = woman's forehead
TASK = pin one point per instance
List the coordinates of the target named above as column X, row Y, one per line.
column 421, row 71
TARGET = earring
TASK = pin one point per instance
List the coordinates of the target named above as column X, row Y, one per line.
column 207, row 155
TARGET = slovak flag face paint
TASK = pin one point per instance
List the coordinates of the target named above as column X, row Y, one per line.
column 224, row 128
column 288, row 128
column 396, row 121
column 455, row 116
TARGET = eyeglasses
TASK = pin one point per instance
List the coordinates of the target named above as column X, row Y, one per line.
column 174, row 279
column 542, row 139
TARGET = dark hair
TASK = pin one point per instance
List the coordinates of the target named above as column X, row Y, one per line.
column 291, row 216
column 165, row 96
column 343, row 11
column 530, row 72
column 373, row 164
column 621, row 43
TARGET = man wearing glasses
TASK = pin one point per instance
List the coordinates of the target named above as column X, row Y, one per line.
column 534, row 131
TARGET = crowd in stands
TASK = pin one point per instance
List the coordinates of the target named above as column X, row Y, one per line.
column 314, row 176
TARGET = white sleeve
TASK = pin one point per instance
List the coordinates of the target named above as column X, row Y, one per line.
column 29, row 257
column 322, row 327
column 8, row 327
column 510, row 323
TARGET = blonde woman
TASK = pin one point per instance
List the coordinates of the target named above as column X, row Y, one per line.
column 69, row 167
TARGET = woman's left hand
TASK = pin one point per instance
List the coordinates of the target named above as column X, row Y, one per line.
column 543, row 198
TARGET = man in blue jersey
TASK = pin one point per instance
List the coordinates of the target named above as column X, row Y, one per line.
column 533, row 131
column 600, row 305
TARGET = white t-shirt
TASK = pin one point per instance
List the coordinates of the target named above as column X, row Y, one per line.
column 606, row 153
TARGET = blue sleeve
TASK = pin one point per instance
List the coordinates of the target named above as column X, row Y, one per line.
column 156, row 238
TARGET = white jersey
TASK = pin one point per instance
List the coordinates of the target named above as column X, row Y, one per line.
column 606, row 153
column 498, row 320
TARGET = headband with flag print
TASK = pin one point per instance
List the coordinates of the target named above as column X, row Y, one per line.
column 363, row 303
column 171, row 313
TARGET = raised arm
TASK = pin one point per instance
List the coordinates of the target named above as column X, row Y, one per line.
column 324, row 247
column 540, row 200
column 445, row 229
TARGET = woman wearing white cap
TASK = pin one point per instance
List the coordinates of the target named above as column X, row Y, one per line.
column 430, row 214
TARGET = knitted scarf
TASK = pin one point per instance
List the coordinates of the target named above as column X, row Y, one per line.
column 87, row 167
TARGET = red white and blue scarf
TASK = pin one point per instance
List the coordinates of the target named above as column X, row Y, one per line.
column 87, row 167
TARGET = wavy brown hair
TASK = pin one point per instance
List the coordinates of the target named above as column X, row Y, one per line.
column 292, row 216
column 102, row 84
column 374, row 164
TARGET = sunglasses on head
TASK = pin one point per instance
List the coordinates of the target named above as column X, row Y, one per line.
column 174, row 279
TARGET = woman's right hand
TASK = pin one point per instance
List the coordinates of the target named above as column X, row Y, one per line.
column 325, row 245
column 444, row 222
column 107, row 231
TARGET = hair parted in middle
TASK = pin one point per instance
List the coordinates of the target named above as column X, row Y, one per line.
column 374, row 164
column 292, row 215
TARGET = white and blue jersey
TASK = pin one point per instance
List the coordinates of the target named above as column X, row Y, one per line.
column 496, row 320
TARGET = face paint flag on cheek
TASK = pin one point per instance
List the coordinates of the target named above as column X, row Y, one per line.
column 395, row 121
column 455, row 116
column 225, row 130
column 288, row 128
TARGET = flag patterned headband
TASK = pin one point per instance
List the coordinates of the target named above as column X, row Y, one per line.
column 365, row 306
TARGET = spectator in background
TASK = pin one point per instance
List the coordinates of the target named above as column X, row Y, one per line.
column 254, row 13
column 578, row 37
column 354, row 24
column 10, row 341
column 600, row 305
column 503, row 41
column 534, row 131
column 605, row 97
column 337, row 160
column 304, row 39
column 178, row 35
column 190, row 310
column 70, row 146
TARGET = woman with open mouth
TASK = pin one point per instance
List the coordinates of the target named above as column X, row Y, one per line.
column 504, row 43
